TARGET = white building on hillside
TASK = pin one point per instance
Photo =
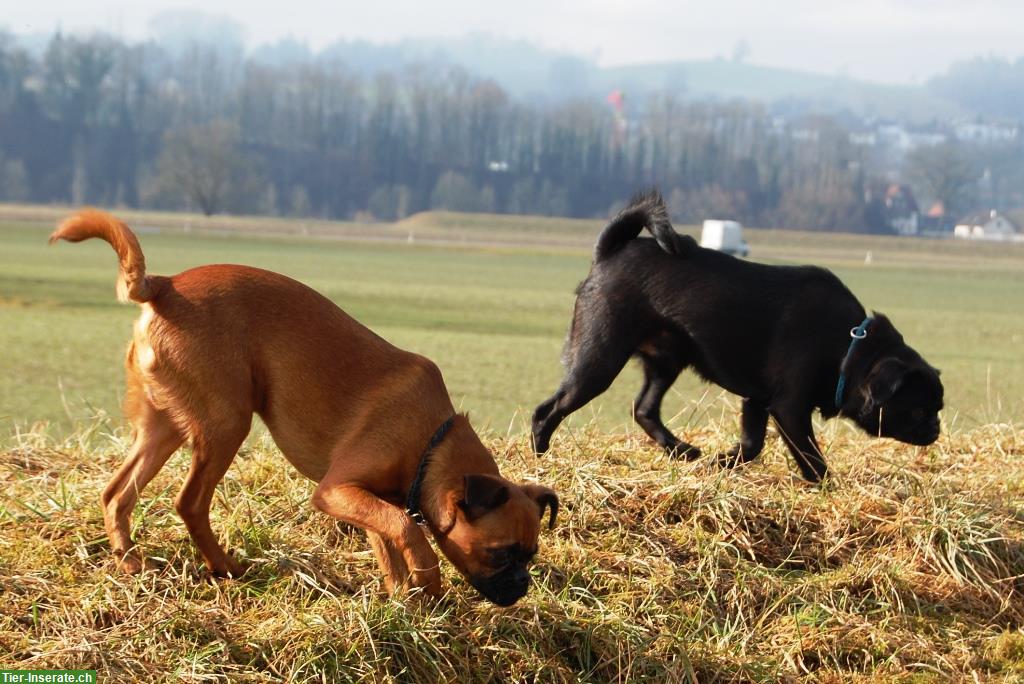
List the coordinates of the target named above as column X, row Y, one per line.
column 986, row 132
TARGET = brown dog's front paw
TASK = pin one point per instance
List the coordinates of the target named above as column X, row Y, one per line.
column 427, row 581
column 231, row 568
column 683, row 451
column 129, row 562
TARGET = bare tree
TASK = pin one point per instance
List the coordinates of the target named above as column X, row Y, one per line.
column 454, row 192
column 13, row 180
column 75, row 69
column 203, row 162
column 945, row 172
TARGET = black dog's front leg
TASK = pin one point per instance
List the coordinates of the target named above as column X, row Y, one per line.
column 544, row 424
column 795, row 425
column 753, row 425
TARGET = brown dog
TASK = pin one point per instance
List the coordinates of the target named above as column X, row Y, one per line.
column 372, row 424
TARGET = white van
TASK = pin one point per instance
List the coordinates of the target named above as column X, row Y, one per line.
column 725, row 236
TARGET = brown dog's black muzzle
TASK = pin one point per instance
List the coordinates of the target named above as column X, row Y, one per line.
column 504, row 588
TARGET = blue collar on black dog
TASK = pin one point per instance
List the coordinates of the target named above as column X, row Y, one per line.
column 412, row 502
column 858, row 334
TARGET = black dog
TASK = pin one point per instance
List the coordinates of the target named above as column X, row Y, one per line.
column 779, row 336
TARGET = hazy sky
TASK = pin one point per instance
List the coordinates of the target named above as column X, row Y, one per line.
column 882, row 40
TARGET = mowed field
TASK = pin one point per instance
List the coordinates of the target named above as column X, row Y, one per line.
column 908, row 566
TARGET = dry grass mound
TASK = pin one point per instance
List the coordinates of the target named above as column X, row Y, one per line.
column 908, row 567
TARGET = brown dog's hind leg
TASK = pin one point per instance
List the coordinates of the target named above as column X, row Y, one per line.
column 212, row 453
column 659, row 374
column 753, row 425
column 156, row 438
column 395, row 531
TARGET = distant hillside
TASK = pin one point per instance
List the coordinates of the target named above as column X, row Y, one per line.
column 720, row 78
column 539, row 74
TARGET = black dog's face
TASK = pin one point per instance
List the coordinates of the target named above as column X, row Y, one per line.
column 902, row 398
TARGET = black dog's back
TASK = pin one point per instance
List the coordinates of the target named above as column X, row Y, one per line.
column 737, row 319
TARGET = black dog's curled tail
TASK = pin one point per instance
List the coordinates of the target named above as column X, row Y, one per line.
column 646, row 209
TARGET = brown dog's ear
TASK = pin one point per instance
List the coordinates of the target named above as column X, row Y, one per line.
column 882, row 382
column 545, row 498
column 482, row 493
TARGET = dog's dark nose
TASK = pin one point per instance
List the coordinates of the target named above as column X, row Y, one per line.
column 925, row 433
column 504, row 588
column 520, row 578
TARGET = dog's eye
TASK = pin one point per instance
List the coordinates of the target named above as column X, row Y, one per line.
column 507, row 555
column 502, row 556
column 917, row 414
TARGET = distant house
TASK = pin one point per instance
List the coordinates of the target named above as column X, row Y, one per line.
column 936, row 218
column 892, row 206
column 896, row 136
column 986, row 132
column 990, row 226
column 901, row 209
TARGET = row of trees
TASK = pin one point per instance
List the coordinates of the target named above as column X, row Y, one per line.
column 202, row 127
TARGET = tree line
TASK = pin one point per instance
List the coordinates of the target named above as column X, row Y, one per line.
column 204, row 127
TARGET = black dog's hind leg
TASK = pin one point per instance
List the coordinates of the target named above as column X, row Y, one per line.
column 753, row 424
column 660, row 372
column 798, row 434
column 591, row 373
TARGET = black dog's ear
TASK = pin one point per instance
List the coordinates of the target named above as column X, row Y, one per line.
column 882, row 328
column 482, row 493
column 885, row 378
column 545, row 498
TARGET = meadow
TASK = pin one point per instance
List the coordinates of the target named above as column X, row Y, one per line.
column 908, row 567
column 488, row 299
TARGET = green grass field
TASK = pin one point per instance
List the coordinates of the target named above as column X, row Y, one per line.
column 908, row 567
column 492, row 316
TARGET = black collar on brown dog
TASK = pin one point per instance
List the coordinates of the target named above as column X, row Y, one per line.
column 412, row 501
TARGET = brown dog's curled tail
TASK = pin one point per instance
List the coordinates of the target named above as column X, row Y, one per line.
column 132, row 283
